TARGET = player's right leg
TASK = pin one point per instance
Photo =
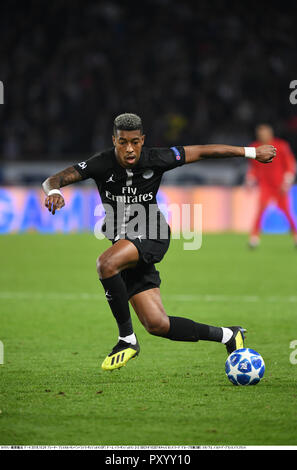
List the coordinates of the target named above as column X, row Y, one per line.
column 254, row 239
column 122, row 255
column 283, row 204
column 150, row 311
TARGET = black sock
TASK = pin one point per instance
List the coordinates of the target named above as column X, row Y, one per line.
column 183, row 329
column 116, row 294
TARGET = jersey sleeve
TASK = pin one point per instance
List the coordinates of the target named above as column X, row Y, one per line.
column 91, row 168
column 167, row 158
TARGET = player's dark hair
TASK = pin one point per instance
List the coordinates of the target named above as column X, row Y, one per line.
column 127, row 122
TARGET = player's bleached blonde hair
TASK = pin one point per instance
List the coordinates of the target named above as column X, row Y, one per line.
column 127, row 122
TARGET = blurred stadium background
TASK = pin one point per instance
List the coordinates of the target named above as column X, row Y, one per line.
column 197, row 72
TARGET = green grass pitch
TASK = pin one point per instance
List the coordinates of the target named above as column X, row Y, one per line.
column 56, row 329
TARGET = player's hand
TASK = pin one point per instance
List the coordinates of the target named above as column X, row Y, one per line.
column 54, row 203
column 265, row 153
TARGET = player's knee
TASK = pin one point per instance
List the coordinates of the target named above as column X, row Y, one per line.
column 106, row 266
column 158, row 327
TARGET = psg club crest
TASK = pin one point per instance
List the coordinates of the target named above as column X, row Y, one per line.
column 147, row 174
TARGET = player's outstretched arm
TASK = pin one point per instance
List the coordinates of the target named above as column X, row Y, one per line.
column 194, row 153
column 51, row 186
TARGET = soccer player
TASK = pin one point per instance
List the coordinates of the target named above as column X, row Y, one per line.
column 128, row 176
column 275, row 183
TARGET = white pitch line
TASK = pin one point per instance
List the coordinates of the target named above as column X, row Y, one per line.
column 174, row 297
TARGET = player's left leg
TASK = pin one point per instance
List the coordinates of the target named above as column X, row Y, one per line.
column 120, row 256
column 150, row 311
column 283, row 204
column 264, row 198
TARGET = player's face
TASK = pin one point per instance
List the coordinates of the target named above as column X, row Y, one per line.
column 264, row 134
column 128, row 145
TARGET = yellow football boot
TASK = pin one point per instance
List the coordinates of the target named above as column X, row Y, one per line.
column 120, row 355
column 237, row 339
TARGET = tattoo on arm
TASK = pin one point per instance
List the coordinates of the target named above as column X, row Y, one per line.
column 68, row 176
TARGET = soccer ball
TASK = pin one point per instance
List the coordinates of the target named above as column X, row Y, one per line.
column 245, row 367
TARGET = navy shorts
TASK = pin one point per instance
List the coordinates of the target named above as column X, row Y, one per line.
column 144, row 275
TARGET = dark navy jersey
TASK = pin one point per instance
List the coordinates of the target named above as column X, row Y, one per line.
column 125, row 192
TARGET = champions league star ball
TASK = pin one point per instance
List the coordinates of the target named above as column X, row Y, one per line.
column 245, row 367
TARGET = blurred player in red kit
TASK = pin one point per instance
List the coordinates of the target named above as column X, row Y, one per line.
column 274, row 181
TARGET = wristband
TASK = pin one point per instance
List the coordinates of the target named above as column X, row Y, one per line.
column 55, row 191
column 250, row 152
